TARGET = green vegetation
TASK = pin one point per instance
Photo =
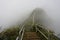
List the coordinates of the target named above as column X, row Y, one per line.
column 12, row 33
column 9, row 34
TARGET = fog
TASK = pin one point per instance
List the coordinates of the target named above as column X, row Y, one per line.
column 14, row 11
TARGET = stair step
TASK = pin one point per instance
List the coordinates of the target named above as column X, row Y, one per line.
column 31, row 36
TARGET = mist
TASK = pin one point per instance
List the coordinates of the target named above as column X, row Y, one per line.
column 14, row 11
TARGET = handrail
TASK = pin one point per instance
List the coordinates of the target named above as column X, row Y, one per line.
column 21, row 29
column 41, row 33
column 21, row 33
column 40, row 26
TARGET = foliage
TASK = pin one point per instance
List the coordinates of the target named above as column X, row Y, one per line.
column 9, row 34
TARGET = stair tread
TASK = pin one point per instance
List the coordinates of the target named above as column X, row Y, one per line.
column 31, row 36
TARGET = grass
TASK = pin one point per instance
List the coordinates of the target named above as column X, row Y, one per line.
column 9, row 34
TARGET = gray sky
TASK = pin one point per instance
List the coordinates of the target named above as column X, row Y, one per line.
column 12, row 11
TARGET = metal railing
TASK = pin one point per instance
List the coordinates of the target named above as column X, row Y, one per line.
column 22, row 30
column 37, row 29
column 21, row 33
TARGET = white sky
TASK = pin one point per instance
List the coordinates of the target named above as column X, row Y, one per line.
column 12, row 11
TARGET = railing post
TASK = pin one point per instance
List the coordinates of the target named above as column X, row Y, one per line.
column 48, row 35
column 17, row 38
column 36, row 28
